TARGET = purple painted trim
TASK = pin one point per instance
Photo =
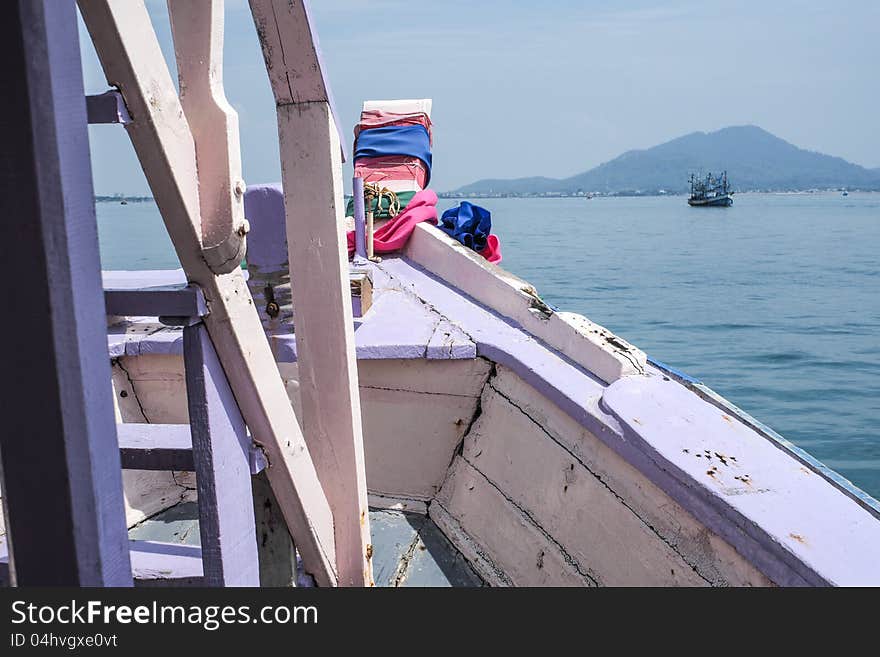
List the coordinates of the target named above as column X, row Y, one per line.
column 357, row 307
column 267, row 239
column 155, row 447
column 395, row 327
column 751, row 540
column 142, row 337
column 449, row 342
column 163, row 564
column 108, row 107
column 58, row 441
column 170, row 301
column 841, row 483
column 167, row 447
column 4, row 563
column 360, row 230
column 221, row 454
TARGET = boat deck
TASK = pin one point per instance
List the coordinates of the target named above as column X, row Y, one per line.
column 683, row 444
column 408, row 548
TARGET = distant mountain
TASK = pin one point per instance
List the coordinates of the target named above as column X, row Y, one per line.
column 753, row 158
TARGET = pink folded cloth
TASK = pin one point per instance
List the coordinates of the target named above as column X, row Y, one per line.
column 492, row 252
column 394, row 235
column 391, row 167
column 380, row 119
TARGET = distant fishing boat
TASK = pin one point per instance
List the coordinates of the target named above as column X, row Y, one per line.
column 712, row 191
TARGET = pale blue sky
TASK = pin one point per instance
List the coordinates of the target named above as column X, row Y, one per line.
column 556, row 87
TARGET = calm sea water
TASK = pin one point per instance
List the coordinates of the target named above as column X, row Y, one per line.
column 774, row 302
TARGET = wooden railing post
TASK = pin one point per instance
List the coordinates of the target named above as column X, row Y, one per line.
column 61, row 470
column 132, row 60
column 197, row 26
column 311, row 171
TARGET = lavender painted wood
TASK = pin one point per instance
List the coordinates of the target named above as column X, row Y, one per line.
column 58, row 442
column 143, row 336
column 449, row 342
column 568, row 385
column 144, row 278
column 841, row 483
column 155, row 447
column 360, row 227
column 166, row 564
column 592, row 346
column 267, row 244
column 399, row 328
column 4, row 563
column 107, row 107
column 814, row 533
column 221, row 448
column 167, row 447
column 170, row 301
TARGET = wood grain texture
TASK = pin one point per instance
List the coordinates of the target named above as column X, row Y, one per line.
column 221, row 451
column 155, row 446
column 132, row 60
column 197, row 26
column 311, row 169
column 58, row 441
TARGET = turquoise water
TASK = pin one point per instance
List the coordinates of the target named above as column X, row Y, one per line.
column 774, row 302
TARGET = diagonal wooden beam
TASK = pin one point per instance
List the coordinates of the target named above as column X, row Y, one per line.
column 311, row 171
column 132, row 60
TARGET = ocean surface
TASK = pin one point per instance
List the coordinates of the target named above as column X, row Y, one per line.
column 774, row 302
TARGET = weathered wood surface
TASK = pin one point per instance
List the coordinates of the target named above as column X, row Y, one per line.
column 61, row 481
column 795, row 525
column 108, row 107
column 275, row 548
column 132, row 60
column 155, row 446
column 221, row 454
column 311, row 169
column 197, row 26
column 155, row 563
column 601, row 535
column 171, row 300
column 415, row 414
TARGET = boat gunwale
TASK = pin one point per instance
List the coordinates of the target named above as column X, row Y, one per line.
column 844, row 485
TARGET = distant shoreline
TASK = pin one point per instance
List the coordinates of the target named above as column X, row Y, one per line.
column 637, row 194
column 118, row 198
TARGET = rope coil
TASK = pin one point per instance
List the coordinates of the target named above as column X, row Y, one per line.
column 373, row 190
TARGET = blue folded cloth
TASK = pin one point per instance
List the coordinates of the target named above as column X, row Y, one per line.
column 408, row 140
column 468, row 223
